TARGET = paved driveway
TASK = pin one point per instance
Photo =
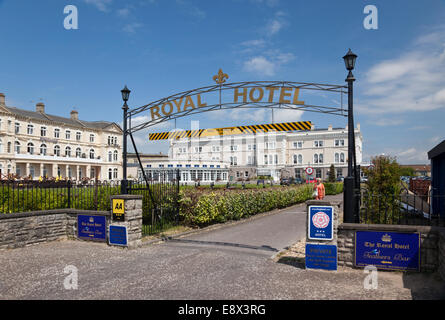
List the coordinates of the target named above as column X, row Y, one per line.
column 229, row 263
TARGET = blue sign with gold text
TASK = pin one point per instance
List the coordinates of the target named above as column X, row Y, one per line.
column 387, row 250
column 91, row 227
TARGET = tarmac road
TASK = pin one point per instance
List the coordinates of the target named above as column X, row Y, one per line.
column 228, row 263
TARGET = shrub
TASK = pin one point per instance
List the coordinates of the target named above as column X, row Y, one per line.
column 200, row 208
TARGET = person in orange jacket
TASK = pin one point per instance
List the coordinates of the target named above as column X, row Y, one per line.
column 320, row 190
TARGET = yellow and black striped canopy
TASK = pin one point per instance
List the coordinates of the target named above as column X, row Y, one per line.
column 258, row 128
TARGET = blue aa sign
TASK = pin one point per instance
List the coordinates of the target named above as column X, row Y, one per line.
column 321, row 222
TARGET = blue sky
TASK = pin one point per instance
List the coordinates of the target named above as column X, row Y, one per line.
column 161, row 47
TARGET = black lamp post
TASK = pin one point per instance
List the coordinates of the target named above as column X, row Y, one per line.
column 125, row 95
column 349, row 196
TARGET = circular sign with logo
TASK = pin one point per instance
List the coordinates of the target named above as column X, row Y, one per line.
column 320, row 220
column 309, row 170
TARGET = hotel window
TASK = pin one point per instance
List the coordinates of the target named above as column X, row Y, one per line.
column 17, row 127
column 57, row 151
column 30, row 148
column 298, row 144
column 251, row 160
column 233, row 161
column 67, row 134
column 67, row 152
column 318, row 173
column 43, row 149
column 17, row 147
column 78, row 136
column 115, row 155
column 269, row 145
column 297, row 173
column 110, row 174
column 91, row 153
column 215, row 148
column 9, row 147
column 233, row 148
column 315, row 158
column 342, row 157
column 318, row 143
column 265, row 159
column 43, row 131
column 336, row 158
column 78, row 152
column 318, row 158
column 198, row 149
column 339, row 173
column 340, row 143
column 110, row 156
column 251, row 147
column 30, row 129
column 91, row 137
column 56, row 133
column 115, row 173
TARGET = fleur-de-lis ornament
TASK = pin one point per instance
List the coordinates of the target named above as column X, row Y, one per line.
column 220, row 77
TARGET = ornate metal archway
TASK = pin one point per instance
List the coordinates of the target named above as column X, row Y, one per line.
column 245, row 95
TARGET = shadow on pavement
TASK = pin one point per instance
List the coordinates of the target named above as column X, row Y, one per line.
column 425, row 286
column 217, row 243
column 298, row 262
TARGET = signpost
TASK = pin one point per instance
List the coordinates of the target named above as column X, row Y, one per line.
column 118, row 210
column 321, row 256
column 387, row 250
column 118, row 235
column 320, row 223
column 91, row 227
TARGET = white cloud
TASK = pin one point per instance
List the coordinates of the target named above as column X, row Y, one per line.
column 260, row 65
column 267, row 65
column 101, row 5
column 384, row 122
column 411, row 82
column 124, row 12
column 132, row 27
column 287, row 115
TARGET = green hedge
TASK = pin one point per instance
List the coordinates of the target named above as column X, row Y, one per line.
column 333, row 188
column 204, row 208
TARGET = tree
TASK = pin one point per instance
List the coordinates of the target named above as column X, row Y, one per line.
column 331, row 174
column 407, row 171
column 383, row 176
column 382, row 190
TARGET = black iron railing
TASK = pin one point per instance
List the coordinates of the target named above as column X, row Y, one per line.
column 405, row 208
column 26, row 196
column 160, row 200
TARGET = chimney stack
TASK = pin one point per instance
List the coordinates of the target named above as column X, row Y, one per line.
column 40, row 107
column 2, row 99
column 74, row 115
column 330, row 127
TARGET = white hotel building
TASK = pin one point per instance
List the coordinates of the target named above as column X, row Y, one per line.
column 277, row 154
column 36, row 144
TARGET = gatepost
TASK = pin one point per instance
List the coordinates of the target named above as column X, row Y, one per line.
column 125, row 228
column 321, row 237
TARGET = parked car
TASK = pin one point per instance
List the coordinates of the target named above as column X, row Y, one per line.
column 286, row 181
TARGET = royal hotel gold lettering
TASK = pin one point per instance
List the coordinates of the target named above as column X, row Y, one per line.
column 285, row 95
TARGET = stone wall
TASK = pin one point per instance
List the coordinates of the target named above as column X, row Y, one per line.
column 23, row 229
column 133, row 218
column 432, row 244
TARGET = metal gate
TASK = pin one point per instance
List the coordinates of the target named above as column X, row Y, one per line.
column 160, row 204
